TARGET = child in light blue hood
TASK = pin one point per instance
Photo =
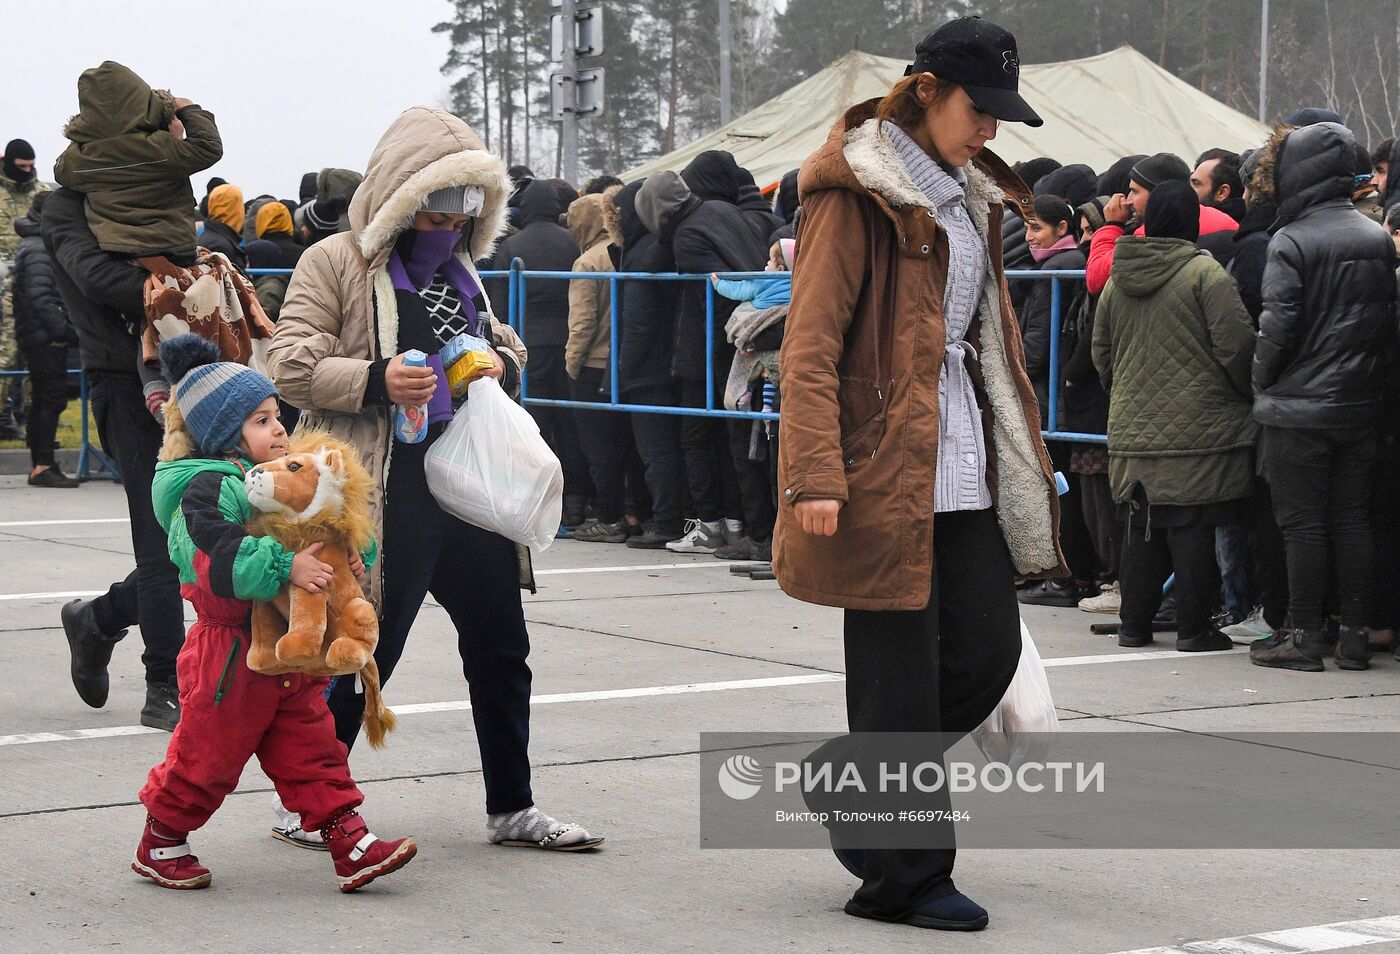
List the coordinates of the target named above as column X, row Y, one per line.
column 764, row 292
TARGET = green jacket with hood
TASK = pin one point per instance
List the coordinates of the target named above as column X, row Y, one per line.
column 133, row 171
column 1173, row 345
column 201, row 504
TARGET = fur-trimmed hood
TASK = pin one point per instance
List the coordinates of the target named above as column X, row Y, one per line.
column 424, row 150
column 858, row 157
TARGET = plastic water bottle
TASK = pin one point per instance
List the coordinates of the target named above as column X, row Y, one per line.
column 411, row 420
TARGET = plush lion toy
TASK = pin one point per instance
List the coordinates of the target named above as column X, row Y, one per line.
column 318, row 493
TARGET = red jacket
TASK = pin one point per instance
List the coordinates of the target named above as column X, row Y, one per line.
column 1100, row 264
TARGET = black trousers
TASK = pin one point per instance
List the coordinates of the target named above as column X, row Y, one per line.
column 1101, row 519
column 1075, row 540
column 606, row 439
column 48, row 384
column 545, row 377
column 757, row 492
column 1150, row 555
column 1385, row 527
column 1267, row 548
column 658, row 438
column 150, row 595
column 709, row 463
column 475, row 576
column 940, row 669
column 1322, row 481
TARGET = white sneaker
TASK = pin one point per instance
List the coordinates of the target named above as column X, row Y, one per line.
column 733, row 531
column 288, row 829
column 1249, row 629
column 700, row 537
column 1109, row 600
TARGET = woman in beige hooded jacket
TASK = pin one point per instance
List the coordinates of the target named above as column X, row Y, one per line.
column 433, row 201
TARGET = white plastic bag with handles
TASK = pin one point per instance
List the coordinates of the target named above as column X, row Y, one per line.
column 1018, row 729
column 492, row 469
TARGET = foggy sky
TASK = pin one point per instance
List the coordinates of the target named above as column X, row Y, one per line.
column 295, row 85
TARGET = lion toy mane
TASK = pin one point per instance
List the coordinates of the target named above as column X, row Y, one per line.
column 318, row 493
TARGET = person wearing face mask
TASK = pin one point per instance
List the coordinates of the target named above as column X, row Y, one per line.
column 913, row 482
column 433, row 201
column 18, row 186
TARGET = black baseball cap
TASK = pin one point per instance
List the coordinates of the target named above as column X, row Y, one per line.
column 980, row 57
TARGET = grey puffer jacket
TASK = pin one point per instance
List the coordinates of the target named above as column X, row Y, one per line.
column 1327, row 332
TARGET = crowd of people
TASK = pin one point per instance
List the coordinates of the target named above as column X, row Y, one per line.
column 697, row 484
column 1234, row 335
column 1247, row 392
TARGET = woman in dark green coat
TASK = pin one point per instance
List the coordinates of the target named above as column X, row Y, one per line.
column 1173, row 344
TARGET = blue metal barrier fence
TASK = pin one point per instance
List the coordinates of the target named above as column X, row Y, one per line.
column 518, row 276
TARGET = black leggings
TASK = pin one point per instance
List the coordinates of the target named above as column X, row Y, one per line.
column 940, row 669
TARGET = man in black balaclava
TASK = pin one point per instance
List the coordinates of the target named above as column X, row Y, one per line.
column 18, row 186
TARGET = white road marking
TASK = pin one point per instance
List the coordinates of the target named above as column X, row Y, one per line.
column 55, row 595
column 58, row 523
column 557, row 571
column 1339, row 936
column 71, row 735
column 689, row 688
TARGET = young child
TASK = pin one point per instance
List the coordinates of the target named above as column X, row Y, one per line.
column 131, row 153
column 228, row 713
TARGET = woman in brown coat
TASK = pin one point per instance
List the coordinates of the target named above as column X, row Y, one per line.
column 906, row 408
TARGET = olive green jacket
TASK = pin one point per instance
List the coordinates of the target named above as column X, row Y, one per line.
column 1173, row 345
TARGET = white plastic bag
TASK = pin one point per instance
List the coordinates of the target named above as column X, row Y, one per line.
column 1017, row 730
column 493, row 469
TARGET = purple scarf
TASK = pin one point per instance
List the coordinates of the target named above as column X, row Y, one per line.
column 417, row 258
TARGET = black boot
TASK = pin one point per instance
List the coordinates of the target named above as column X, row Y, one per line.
column 162, row 709
column 90, row 650
column 1353, row 648
column 1298, row 649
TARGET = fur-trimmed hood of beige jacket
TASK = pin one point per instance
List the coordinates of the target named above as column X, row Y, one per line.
column 340, row 314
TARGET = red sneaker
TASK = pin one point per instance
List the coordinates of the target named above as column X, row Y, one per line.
column 166, row 860
column 359, row 855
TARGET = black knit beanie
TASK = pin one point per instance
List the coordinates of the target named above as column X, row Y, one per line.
column 1163, row 167
column 1173, row 211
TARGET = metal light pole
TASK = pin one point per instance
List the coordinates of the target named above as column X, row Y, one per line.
column 1264, row 63
column 568, row 128
column 726, row 111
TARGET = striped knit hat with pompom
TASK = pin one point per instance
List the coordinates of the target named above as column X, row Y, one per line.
column 215, row 397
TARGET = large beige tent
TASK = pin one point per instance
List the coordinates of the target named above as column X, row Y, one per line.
column 1095, row 110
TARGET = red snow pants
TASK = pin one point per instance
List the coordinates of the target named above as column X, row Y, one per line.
column 228, row 714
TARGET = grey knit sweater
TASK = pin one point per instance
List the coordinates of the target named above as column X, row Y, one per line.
column 961, row 482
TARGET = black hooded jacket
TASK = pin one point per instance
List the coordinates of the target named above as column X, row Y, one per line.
column 104, row 293
column 716, row 175
column 218, row 237
column 1392, row 181
column 703, row 237
column 543, row 245
column 40, row 318
column 1327, row 333
column 648, row 309
column 1251, row 251
column 1114, row 180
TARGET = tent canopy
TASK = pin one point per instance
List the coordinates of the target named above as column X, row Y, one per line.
column 1096, row 110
